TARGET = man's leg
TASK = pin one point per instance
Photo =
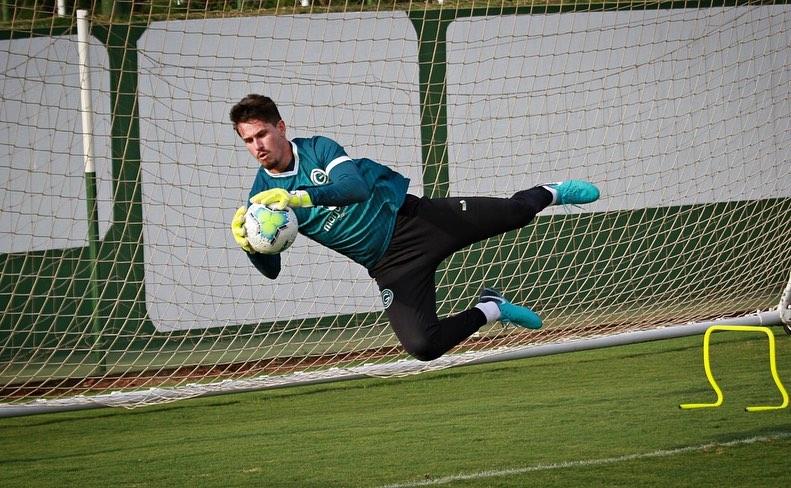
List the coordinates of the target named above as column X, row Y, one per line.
column 461, row 221
column 410, row 304
column 428, row 231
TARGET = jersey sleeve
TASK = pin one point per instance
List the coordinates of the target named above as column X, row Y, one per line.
column 267, row 264
column 329, row 153
column 346, row 185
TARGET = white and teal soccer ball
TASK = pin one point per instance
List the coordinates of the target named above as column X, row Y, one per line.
column 270, row 231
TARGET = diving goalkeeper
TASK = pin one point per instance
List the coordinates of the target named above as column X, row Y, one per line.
column 361, row 209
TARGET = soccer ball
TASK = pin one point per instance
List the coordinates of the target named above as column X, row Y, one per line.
column 270, row 231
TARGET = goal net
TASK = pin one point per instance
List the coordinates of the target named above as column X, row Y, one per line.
column 679, row 111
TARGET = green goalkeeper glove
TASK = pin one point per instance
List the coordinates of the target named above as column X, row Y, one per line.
column 279, row 199
column 237, row 228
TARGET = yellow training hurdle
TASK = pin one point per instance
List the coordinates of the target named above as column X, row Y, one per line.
column 707, row 366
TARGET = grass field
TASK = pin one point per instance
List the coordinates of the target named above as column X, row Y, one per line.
column 598, row 418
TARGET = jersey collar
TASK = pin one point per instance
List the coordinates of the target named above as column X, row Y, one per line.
column 293, row 171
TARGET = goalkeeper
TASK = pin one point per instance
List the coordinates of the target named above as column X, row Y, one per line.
column 361, row 209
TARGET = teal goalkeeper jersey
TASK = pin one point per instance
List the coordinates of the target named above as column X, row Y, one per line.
column 360, row 231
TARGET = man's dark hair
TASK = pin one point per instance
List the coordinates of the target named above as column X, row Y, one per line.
column 255, row 107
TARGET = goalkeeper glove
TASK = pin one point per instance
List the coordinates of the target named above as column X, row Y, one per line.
column 237, row 228
column 279, row 199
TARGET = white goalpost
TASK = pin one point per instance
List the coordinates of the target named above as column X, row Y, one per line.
column 679, row 112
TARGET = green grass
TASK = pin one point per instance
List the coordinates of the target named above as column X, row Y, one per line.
column 520, row 420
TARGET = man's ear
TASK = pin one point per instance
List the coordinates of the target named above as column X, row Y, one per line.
column 281, row 126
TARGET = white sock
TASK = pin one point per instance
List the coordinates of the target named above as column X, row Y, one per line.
column 490, row 309
column 553, row 192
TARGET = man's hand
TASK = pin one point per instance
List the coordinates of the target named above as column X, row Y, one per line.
column 279, row 199
column 237, row 228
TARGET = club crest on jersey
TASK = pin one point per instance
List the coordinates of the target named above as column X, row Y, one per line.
column 319, row 177
column 387, row 297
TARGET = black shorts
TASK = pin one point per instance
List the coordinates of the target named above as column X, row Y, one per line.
column 427, row 231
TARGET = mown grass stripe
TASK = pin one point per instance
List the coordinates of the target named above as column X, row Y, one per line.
column 590, row 462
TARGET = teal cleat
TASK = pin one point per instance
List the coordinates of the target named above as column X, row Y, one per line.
column 510, row 313
column 574, row 192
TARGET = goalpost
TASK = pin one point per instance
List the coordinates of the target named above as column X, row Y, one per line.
column 679, row 111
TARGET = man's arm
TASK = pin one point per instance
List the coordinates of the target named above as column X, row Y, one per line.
column 267, row 264
column 346, row 186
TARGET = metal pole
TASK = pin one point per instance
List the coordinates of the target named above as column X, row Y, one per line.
column 86, row 109
column 763, row 318
column 784, row 308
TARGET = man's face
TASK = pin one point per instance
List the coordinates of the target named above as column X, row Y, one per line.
column 267, row 143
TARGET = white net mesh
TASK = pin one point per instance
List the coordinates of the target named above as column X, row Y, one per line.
column 680, row 115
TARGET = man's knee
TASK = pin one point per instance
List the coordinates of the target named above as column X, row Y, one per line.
column 422, row 348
